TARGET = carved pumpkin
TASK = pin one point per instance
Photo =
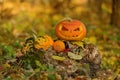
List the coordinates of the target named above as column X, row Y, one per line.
column 43, row 42
column 70, row 30
column 59, row 46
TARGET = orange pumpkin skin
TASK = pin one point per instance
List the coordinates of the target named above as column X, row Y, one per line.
column 70, row 30
column 59, row 46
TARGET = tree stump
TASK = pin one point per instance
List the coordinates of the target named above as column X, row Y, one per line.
column 77, row 62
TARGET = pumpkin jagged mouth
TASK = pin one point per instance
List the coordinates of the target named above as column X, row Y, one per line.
column 69, row 36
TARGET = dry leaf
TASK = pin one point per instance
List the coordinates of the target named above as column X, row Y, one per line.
column 58, row 58
column 79, row 43
column 74, row 56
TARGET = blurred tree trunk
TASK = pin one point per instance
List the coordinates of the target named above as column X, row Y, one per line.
column 115, row 16
column 1, row 9
column 60, row 6
column 95, row 11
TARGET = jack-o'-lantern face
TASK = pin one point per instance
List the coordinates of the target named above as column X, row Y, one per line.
column 70, row 30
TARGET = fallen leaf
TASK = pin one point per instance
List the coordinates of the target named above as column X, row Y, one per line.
column 79, row 43
column 58, row 58
column 89, row 40
column 74, row 56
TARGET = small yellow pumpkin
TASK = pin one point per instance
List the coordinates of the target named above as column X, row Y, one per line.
column 43, row 42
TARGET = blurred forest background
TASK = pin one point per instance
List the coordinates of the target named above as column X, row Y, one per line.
column 19, row 19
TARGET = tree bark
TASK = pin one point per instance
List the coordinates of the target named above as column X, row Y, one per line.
column 115, row 16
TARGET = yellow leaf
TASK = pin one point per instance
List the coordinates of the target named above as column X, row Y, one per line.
column 78, row 43
column 58, row 58
column 6, row 65
column 85, row 40
column 74, row 56
column 91, row 39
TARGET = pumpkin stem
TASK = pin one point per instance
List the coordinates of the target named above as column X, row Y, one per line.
column 67, row 18
column 35, row 37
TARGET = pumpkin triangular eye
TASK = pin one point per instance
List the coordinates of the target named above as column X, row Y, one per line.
column 77, row 29
column 64, row 29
